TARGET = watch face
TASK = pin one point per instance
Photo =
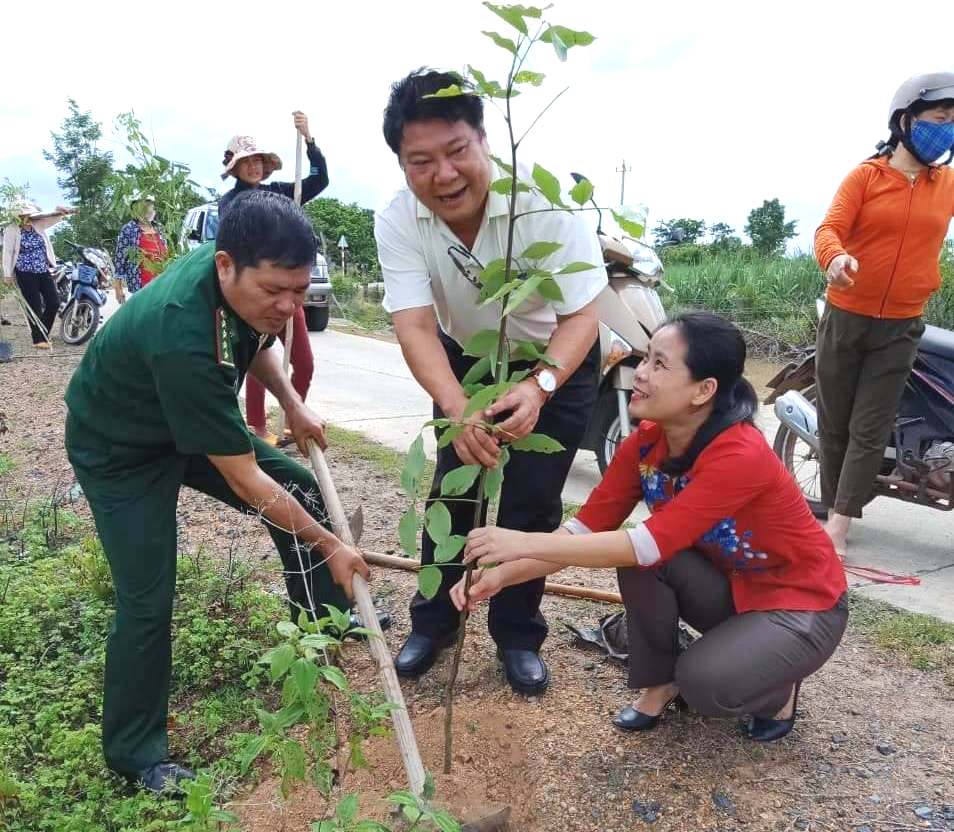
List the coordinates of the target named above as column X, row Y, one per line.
column 547, row 381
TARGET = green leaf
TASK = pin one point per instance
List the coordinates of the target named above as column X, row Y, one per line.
column 537, row 442
column 429, row 581
column 347, row 809
column 550, row 289
column 459, row 481
column 293, row 759
column 484, row 397
column 558, row 46
column 548, row 184
column 512, row 14
column 483, row 343
column 526, row 350
column 505, row 186
column 495, row 475
column 444, row 822
column 371, row 826
column 518, row 296
column 281, row 659
column 576, row 266
column 503, row 290
column 449, row 436
column 333, row 676
column 568, row 37
column 582, row 192
column 452, row 91
column 413, row 467
column 287, row 628
column 520, row 375
column 305, row 675
column 437, row 521
column 539, row 250
column 449, row 549
column 253, row 748
column 525, row 76
column 632, row 226
column 478, row 372
column 500, row 163
column 403, row 798
column 407, row 531
column 429, row 789
column 502, row 42
column 487, row 87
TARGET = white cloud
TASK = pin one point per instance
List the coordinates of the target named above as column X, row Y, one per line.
column 715, row 107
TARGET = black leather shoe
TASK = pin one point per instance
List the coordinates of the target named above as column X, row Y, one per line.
column 164, row 777
column 629, row 719
column 419, row 652
column 526, row 671
column 384, row 620
column 770, row 730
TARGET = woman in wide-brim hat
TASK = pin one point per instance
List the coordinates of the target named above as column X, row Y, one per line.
column 141, row 247
column 28, row 257
column 251, row 164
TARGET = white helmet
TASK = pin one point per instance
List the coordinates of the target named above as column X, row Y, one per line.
column 935, row 86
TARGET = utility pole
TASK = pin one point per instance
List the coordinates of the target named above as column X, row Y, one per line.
column 622, row 170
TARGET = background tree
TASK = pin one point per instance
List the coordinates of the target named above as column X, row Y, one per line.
column 85, row 176
column 692, row 229
column 724, row 236
column 11, row 194
column 767, row 228
column 332, row 218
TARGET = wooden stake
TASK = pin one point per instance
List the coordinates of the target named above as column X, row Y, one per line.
column 403, row 730
column 290, row 323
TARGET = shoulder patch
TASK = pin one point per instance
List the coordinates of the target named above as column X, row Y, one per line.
column 224, row 351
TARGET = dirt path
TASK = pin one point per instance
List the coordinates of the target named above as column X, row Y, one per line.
column 872, row 748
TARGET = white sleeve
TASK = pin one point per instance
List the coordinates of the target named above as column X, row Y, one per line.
column 407, row 284
column 579, row 245
column 644, row 545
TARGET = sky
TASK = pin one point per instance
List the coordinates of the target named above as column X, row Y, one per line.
column 715, row 107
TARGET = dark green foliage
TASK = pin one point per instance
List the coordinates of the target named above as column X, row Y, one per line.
column 331, row 219
column 767, row 227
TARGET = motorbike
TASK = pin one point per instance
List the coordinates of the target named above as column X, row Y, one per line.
column 629, row 312
column 918, row 464
column 81, row 288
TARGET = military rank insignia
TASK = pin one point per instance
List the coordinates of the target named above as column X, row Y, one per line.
column 224, row 350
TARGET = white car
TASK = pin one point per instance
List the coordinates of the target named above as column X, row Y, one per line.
column 200, row 226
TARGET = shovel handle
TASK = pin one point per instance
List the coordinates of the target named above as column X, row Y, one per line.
column 403, row 730
column 289, row 324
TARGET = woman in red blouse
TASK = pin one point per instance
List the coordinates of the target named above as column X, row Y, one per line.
column 730, row 547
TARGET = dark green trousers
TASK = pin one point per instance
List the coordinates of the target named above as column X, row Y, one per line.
column 135, row 512
column 861, row 367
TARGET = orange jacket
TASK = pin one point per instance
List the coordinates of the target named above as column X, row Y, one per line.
column 895, row 230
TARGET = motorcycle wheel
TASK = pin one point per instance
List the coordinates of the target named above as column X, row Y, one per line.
column 79, row 322
column 608, row 432
column 801, row 461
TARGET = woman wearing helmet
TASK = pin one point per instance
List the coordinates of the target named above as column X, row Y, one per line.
column 141, row 248
column 879, row 245
column 250, row 165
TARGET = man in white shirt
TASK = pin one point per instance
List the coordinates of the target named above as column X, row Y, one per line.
column 434, row 238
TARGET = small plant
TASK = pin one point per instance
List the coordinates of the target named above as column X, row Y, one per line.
column 202, row 813
column 419, row 813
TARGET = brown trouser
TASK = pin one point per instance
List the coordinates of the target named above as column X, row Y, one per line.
column 861, row 367
column 744, row 663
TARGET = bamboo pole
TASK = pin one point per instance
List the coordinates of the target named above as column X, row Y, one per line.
column 403, row 730
column 290, row 323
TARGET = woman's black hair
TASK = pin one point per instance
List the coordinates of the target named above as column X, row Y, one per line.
column 263, row 225
column 407, row 103
column 714, row 349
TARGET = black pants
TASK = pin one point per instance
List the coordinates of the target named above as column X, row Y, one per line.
column 39, row 291
column 743, row 664
column 530, row 501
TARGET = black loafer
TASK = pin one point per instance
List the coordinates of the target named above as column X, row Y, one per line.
column 526, row 671
column 384, row 620
column 419, row 652
column 770, row 730
column 164, row 777
column 629, row 719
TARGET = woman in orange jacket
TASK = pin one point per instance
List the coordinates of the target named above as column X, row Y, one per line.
column 879, row 246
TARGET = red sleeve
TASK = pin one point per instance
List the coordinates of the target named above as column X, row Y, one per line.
column 842, row 213
column 614, row 499
column 728, row 474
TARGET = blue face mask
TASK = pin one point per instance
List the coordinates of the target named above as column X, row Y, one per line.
column 931, row 140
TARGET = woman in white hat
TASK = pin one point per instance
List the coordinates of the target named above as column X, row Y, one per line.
column 28, row 256
column 250, row 165
column 141, row 248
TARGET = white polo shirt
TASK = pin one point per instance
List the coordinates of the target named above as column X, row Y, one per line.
column 418, row 270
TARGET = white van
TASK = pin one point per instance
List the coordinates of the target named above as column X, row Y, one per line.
column 200, row 226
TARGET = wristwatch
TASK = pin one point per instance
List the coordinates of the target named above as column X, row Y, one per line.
column 546, row 381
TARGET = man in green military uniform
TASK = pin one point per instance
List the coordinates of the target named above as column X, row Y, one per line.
column 153, row 407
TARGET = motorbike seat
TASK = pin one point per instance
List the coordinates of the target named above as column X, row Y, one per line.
column 937, row 341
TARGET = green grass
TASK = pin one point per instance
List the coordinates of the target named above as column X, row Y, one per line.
column 923, row 641
column 774, row 296
column 6, row 464
column 55, row 612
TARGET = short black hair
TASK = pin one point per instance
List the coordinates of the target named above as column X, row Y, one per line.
column 263, row 225
column 407, row 103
